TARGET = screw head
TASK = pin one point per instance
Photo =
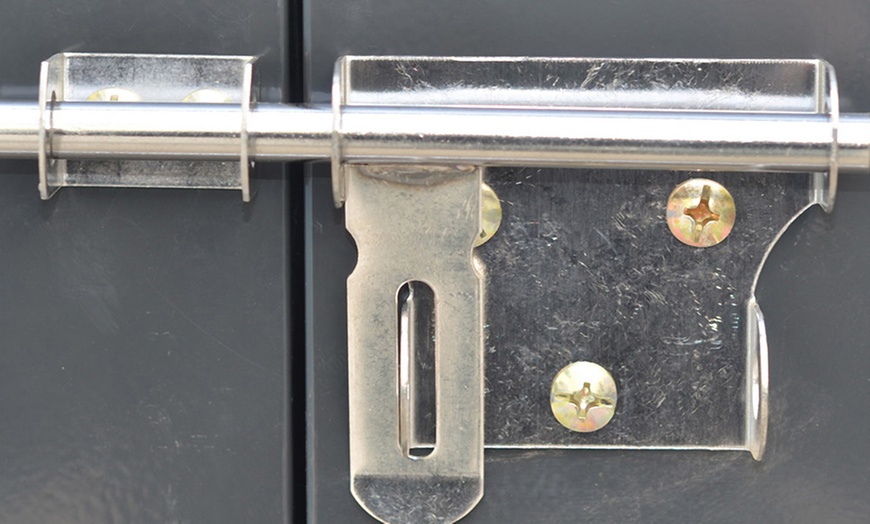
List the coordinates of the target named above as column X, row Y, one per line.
column 490, row 214
column 583, row 397
column 114, row 94
column 701, row 212
column 207, row 96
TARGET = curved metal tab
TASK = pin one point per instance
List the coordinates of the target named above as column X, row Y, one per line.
column 756, row 380
column 415, row 223
column 828, row 100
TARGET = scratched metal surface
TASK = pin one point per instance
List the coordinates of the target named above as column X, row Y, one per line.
column 584, row 267
column 735, row 85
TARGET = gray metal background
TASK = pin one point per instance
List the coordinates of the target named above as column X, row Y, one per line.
column 815, row 290
column 143, row 334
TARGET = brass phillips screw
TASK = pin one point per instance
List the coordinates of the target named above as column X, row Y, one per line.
column 701, row 212
column 490, row 214
column 583, row 397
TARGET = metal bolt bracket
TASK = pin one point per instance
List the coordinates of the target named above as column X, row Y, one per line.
column 132, row 81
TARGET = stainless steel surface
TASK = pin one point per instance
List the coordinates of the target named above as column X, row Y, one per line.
column 178, row 131
column 128, row 151
column 487, row 136
column 712, row 115
column 655, row 312
column 650, row 102
column 613, row 285
column 757, row 396
column 19, row 129
column 389, row 483
column 593, row 138
column 281, row 133
column 691, row 375
column 139, row 130
column 602, row 83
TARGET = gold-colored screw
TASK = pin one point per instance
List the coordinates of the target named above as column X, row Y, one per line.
column 583, row 397
column 490, row 214
column 701, row 212
column 114, row 94
column 208, row 96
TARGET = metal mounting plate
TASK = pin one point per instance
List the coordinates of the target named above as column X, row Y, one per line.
column 584, row 267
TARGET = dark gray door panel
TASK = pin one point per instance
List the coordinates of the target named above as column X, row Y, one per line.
column 814, row 289
column 143, row 334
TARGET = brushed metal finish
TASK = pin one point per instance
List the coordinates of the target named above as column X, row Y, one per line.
column 485, row 136
column 737, row 115
column 391, row 485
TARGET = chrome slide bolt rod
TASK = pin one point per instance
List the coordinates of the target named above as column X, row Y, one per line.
column 484, row 136
column 689, row 140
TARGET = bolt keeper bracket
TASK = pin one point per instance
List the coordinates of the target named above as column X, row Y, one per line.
column 79, row 77
column 390, row 208
column 583, row 268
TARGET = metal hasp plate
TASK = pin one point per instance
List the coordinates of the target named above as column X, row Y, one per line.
column 583, row 268
column 390, row 209
column 131, row 78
